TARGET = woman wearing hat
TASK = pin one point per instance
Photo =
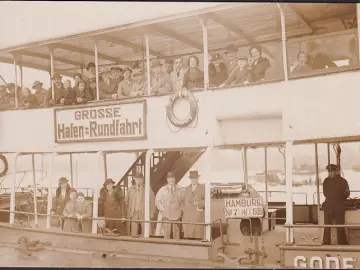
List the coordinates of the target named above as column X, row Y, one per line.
column 193, row 77
column 61, row 198
column 112, row 205
column 83, row 213
column 70, row 221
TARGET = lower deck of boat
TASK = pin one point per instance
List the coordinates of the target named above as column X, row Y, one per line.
column 234, row 244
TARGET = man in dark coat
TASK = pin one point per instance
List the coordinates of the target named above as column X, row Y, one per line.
column 61, row 198
column 318, row 59
column 112, row 205
column 217, row 70
column 336, row 191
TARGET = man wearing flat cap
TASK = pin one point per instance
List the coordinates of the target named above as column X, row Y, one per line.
column 217, row 70
column 135, row 202
column 169, row 200
column 59, row 91
column 160, row 81
column 112, row 205
column 39, row 92
column 336, row 191
column 240, row 74
column 194, row 208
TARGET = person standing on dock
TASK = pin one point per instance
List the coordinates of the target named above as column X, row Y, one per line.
column 194, row 208
column 60, row 200
column 136, row 205
column 336, row 191
column 112, row 205
column 169, row 200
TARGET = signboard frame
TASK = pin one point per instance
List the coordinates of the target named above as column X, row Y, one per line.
column 100, row 104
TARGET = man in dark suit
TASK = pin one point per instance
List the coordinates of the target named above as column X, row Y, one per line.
column 60, row 200
column 336, row 191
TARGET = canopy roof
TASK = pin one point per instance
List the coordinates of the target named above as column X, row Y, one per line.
column 240, row 24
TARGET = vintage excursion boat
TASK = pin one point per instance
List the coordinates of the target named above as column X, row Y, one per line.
column 176, row 131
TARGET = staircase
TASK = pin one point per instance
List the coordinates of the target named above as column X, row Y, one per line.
column 161, row 163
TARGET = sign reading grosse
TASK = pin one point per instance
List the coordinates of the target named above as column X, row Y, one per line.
column 100, row 123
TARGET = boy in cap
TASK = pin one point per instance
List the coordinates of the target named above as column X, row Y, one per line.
column 217, row 70
column 160, row 81
column 336, row 191
column 240, row 74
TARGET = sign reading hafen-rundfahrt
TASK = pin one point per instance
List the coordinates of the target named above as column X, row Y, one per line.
column 98, row 123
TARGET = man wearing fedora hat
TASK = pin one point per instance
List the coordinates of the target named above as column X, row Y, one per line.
column 194, row 208
column 108, row 86
column 112, row 205
column 139, row 83
column 125, row 86
column 169, row 200
column 160, row 81
column 59, row 91
column 336, row 191
column 135, row 202
column 39, row 92
column 217, row 70
column 61, row 198
column 240, row 74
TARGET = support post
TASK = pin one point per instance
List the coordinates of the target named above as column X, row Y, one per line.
column 52, row 71
column 12, row 192
column 328, row 153
column 203, row 23
column 358, row 30
column 71, row 171
column 35, row 190
column 105, row 165
column 266, row 182
column 245, row 167
column 97, row 176
column 21, row 77
column 317, row 177
column 49, row 195
column 147, row 191
column 148, row 79
column 289, row 191
column 208, row 153
column 283, row 41
column 97, row 72
column 16, row 83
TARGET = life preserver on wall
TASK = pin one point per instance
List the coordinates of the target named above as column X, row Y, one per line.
column 194, row 108
column 6, row 165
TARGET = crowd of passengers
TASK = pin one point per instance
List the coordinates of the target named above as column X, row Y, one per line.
column 172, row 76
column 171, row 203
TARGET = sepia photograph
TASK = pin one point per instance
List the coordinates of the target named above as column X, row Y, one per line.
column 179, row 135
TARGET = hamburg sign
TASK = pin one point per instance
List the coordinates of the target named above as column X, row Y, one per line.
column 248, row 205
column 101, row 123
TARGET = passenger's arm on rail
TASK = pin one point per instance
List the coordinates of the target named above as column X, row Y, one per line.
column 88, row 210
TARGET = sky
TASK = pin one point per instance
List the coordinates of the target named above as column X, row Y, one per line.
column 62, row 18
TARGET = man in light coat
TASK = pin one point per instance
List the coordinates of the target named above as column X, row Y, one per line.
column 177, row 75
column 169, row 200
column 135, row 203
column 194, row 208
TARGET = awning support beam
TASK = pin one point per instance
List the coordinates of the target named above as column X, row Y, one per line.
column 283, row 41
column 203, row 23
